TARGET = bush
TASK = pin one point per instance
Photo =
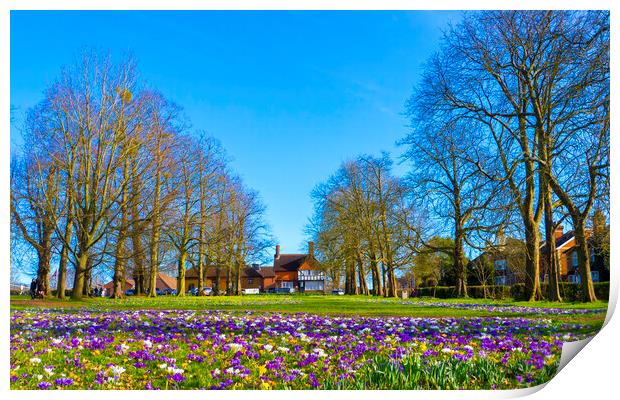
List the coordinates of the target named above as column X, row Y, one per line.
column 568, row 291
column 518, row 292
column 498, row 292
column 602, row 290
column 475, row 292
column 440, row 292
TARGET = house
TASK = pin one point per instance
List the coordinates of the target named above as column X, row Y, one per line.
column 298, row 271
column 163, row 282
column 505, row 262
column 252, row 277
column 566, row 252
column 508, row 260
column 129, row 284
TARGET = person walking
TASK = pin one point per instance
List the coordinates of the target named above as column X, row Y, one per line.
column 33, row 288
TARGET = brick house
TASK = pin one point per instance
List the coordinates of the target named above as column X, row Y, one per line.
column 569, row 262
column 506, row 273
column 298, row 271
column 163, row 282
column 252, row 277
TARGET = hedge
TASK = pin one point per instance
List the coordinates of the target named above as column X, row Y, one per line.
column 569, row 291
column 476, row 292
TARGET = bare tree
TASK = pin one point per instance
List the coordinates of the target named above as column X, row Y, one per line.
column 446, row 182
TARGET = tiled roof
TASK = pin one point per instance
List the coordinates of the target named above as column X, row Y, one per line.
column 267, row 272
column 289, row 262
column 247, row 272
column 128, row 283
column 166, row 281
column 559, row 241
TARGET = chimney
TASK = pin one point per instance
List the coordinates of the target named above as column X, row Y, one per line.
column 559, row 231
column 277, row 252
column 311, row 249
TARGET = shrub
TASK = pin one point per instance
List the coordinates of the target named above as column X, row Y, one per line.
column 440, row 292
column 476, row 292
column 568, row 291
column 602, row 290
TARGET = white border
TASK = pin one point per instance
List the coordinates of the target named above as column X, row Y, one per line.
column 592, row 374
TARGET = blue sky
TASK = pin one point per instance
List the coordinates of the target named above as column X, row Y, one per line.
column 291, row 95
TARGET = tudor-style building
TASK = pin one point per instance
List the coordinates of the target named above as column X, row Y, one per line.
column 300, row 272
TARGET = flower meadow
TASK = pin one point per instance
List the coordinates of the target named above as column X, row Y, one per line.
column 172, row 349
column 501, row 308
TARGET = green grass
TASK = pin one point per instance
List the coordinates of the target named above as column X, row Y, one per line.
column 317, row 304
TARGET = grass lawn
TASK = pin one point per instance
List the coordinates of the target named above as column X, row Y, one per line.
column 333, row 305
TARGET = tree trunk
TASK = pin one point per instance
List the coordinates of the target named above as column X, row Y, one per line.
column 64, row 258
column 362, row 275
column 532, row 259
column 376, row 275
column 392, row 279
column 119, row 268
column 238, row 271
column 551, row 259
column 78, row 280
column 385, row 283
column 350, row 282
column 43, row 270
column 218, row 277
column 181, row 277
column 201, row 267
column 459, row 267
column 155, row 229
column 583, row 256
column 88, row 274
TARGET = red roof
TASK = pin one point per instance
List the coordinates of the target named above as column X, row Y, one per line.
column 165, row 282
column 267, row 272
column 288, row 262
column 129, row 284
column 247, row 272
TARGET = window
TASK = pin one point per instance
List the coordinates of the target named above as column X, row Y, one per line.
column 286, row 284
column 314, row 285
column 311, row 275
column 594, row 275
column 575, row 259
column 500, row 265
column 250, row 281
column 500, row 280
column 574, row 278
